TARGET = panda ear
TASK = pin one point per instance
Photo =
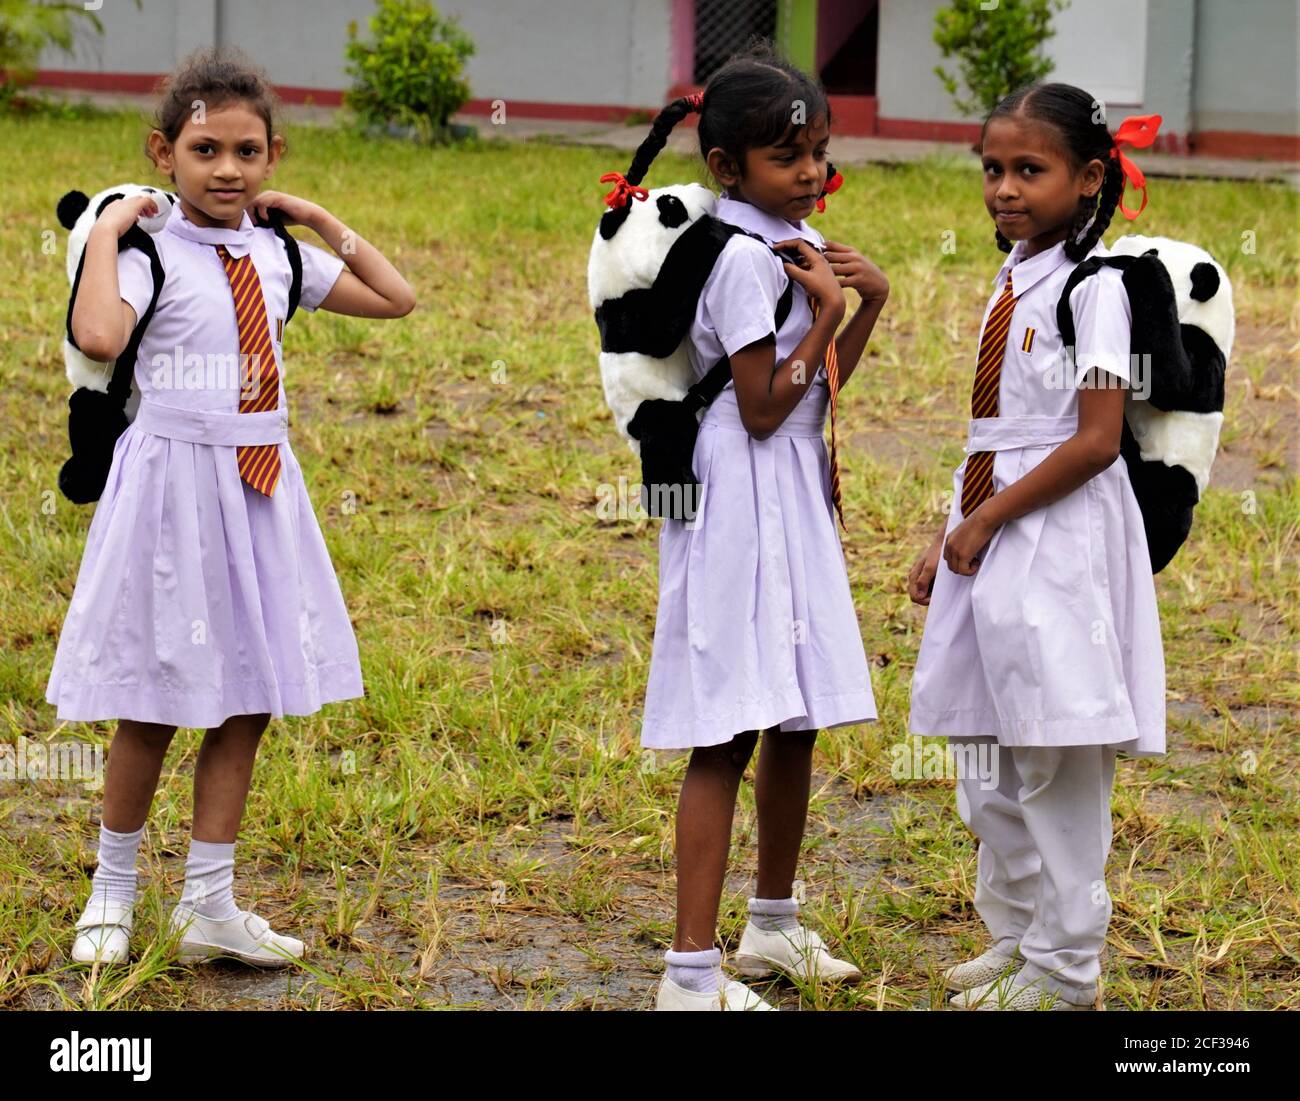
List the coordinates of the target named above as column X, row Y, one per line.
column 1205, row 281
column 70, row 208
column 612, row 219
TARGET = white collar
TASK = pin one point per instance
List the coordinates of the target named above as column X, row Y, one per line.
column 1027, row 272
column 237, row 241
column 768, row 226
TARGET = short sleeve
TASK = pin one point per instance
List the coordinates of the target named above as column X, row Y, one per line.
column 320, row 271
column 1103, row 324
column 742, row 292
column 135, row 280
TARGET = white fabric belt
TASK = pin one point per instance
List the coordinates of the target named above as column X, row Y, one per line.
column 1005, row 433
column 808, row 418
column 210, row 427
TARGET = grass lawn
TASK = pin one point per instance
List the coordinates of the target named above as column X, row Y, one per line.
column 482, row 829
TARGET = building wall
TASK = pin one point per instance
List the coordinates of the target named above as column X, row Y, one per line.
column 594, row 52
column 1201, row 64
column 1245, row 68
column 1216, row 66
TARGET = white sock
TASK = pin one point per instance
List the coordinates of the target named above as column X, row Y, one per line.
column 774, row 915
column 209, row 880
column 115, row 873
column 697, row 971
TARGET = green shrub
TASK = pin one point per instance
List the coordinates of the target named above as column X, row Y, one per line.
column 998, row 49
column 409, row 75
column 26, row 29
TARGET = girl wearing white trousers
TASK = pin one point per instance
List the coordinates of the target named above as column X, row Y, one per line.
column 1043, row 638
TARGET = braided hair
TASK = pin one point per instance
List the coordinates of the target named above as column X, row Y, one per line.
column 1073, row 114
column 748, row 102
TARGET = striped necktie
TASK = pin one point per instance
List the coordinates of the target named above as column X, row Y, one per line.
column 977, row 484
column 259, row 464
column 833, row 380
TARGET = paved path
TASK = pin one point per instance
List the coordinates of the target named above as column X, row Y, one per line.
column 848, row 150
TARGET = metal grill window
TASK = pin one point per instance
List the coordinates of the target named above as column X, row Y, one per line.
column 724, row 26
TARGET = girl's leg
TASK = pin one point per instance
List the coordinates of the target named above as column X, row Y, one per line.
column 1007, row 861
column 1065, row 801
column 135, row 759
column 781, row 789
column 222, row 776
column 705, row 811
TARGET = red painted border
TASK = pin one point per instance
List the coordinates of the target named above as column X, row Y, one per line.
column 855, row 116
column 924, row 130
column 147, row 83
column 1230, row 143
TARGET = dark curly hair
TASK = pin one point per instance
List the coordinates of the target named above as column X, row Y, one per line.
column 216, row 77
column 1078, row 120
column 746, row 104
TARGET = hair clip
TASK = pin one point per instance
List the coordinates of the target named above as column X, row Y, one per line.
column 833, row 184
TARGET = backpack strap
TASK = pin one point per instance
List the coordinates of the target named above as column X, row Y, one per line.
column 275, row 219
column 119, row 384
column 1089, row 267
column 713, row 383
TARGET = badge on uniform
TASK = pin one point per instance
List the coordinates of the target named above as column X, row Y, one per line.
column 1027, row 345
column 279, row 330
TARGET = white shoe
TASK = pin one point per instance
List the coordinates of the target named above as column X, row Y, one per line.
column 733, row 996
column 245, row 937
column 104, row 931
column 983, row 969
column 1004, row 993
column 799, row 952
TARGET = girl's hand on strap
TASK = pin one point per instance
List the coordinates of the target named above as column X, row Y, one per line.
column 121, row 214
column 296, row 211
column 854, row 270
column 814, row 275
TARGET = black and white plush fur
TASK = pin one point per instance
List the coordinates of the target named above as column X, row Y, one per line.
column 649, row 261
column 77, row 214
column 1180, row 424
column 1171, row 438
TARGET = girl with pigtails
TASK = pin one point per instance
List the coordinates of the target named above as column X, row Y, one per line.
column 1042, row 641
column 756, row 629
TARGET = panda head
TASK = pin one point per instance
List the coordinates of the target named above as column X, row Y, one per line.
column 1201, row 286
column 632, row 240
column 77, row 215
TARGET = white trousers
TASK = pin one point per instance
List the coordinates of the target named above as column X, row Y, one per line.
column 1044, row 833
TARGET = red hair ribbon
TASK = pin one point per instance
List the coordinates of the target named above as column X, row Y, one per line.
column 1138, row 131
column 695, row 100
column 622, row 192
column 832, row 185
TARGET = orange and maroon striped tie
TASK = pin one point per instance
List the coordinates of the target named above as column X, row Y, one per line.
column 833, row 381
column 259, row 464
column 977, row 483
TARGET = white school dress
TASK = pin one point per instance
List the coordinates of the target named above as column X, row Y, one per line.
column 1055, row 640
column 199, row 597
column 756, row 626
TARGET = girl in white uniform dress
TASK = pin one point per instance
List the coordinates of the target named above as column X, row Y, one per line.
column 206, row 597
column 756, row 629
column 1043, row 639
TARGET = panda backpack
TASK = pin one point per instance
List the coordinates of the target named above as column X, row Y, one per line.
column 105, row 401
column 1183, row 327
column 651, row 256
